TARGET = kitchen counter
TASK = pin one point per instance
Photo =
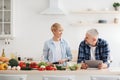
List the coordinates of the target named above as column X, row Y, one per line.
column 84, row 74
column 77, row 72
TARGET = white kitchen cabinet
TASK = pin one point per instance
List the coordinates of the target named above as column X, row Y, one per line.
column 6, row 19
column 92, row 15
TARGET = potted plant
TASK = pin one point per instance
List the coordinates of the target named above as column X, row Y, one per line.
column 116, row 5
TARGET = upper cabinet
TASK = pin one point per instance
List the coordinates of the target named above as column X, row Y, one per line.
column 5, row 19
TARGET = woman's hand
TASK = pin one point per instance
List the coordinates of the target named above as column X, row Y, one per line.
column 49, row 63
column 62, row 61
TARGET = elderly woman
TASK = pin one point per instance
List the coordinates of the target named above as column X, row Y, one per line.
column 57, row 49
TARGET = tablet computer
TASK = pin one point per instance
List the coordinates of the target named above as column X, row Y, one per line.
column 93, row 63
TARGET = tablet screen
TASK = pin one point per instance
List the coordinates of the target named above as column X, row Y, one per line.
column 93, row 63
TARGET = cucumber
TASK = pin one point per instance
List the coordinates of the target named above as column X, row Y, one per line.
column 60, row 68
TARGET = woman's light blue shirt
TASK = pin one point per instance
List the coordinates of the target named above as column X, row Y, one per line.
column 49, row 50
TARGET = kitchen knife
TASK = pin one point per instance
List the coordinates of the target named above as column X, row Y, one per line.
column 55, row 63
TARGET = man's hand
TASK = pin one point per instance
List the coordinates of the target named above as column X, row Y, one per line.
column 102, row 66
column 84, row 66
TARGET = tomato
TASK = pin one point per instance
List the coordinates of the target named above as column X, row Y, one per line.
column 41, row 69
column 36, row 66
column 33, row 65
column 54, row 68
column 22, row 64
column 50, row 68
column 47, row 67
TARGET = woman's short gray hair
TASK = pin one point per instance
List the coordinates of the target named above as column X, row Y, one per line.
column 93, row 32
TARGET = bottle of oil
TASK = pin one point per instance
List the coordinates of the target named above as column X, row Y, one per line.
column 3, row 53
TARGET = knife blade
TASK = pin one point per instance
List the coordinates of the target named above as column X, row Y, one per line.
column 55, row 63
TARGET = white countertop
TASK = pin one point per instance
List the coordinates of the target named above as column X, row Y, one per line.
column 80, row 74
column 110, row 71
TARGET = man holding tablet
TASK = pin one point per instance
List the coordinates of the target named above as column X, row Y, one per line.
column 93, row 51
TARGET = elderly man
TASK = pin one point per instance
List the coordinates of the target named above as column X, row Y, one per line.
column 93, row 48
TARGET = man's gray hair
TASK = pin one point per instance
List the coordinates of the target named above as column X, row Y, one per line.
column 93, row 32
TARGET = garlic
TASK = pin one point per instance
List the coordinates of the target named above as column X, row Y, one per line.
column 9, row 68
column 14, row 68
column 18, row 67
column 42, row 66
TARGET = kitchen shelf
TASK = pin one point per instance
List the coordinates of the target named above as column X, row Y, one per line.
column 95, row 12
column 93, row 24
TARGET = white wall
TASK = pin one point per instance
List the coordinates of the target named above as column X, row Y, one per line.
column 32, row 29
